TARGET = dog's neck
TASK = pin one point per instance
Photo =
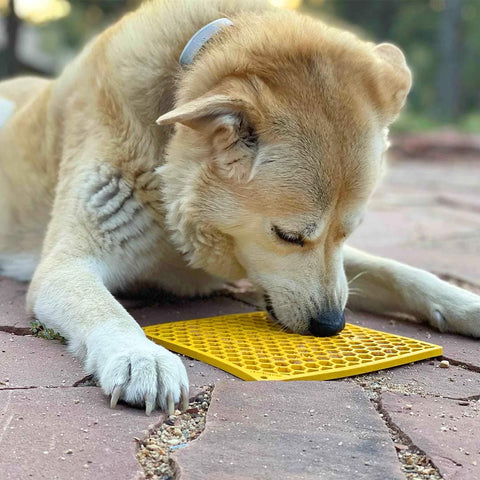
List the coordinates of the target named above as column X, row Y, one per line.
column 150, row 70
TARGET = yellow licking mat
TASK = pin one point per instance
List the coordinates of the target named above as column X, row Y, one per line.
column 252, row 347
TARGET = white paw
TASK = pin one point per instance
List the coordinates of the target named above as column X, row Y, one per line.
column 455, row 310
column 139, row 372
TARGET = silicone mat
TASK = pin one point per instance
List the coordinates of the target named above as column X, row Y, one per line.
column 252, row 347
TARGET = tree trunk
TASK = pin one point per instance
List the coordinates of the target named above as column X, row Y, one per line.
column 13, row 23
column 449, row 50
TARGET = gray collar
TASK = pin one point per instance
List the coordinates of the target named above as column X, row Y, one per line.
column 200, row 39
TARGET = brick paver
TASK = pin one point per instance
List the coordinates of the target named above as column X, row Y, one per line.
column 290, row 430
column 428, row 378
column 432, row 212
column 446, row 430
column 67, row 433
column 34, row 362
column 426, row 214
column 188, row 309
column 12, row 306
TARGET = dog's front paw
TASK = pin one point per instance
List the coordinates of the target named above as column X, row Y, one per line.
column 456, row 310
column 140, row 373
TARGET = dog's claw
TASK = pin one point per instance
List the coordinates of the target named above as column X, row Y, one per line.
column 440, row 321
column 170, row 404
column 149, row 404
column 184, row 399
column 117, row 392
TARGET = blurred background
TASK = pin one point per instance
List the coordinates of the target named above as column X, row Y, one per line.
column 439, row 37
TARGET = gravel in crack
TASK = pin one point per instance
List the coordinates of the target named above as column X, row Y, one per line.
column 413, row 462
column 174, row 433
column 377, row 382
column 416, row 466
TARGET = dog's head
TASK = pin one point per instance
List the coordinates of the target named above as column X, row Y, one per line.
column 280, row 131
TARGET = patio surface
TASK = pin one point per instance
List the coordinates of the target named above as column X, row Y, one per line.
column 426, row 213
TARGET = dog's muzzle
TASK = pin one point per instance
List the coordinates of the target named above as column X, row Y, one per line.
column 327, row 323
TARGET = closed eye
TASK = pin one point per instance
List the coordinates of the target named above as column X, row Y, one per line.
column 290, row 237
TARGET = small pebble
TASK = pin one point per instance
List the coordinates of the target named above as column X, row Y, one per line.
column 444, row 364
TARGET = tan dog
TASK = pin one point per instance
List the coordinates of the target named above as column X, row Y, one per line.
column 280, row 129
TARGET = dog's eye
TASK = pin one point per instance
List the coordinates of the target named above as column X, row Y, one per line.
column 289, row 237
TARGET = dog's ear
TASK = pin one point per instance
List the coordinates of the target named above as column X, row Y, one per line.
column 395, row 80
column 193, row 114
column 224, row 122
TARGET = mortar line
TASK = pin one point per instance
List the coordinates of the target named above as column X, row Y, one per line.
column 18, row 331
column 377, row 402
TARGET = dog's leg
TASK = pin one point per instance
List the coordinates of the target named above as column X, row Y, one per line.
column 99, row 234
column 385, row 286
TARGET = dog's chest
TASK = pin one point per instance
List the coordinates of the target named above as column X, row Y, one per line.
column 125, row 216
column 122, row 212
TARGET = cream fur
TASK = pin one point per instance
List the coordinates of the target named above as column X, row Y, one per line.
column 279, row 123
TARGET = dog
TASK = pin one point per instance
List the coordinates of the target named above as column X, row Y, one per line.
column 253, row 157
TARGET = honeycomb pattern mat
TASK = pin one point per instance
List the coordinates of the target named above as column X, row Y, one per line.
column 252, row 347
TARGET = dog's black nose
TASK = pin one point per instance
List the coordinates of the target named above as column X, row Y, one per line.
column 327, row 323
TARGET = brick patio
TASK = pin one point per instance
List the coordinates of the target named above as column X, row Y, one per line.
column 427, row 213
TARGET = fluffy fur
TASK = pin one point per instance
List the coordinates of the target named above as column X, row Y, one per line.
column 256, row 161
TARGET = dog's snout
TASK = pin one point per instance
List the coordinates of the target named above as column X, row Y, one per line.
column 327, row 323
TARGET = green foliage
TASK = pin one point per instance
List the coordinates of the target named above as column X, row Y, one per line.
column 470, row 123
column 411, row 121
column 86, row 19
column 418, row 26
column 446, row 73
column 38, row 330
